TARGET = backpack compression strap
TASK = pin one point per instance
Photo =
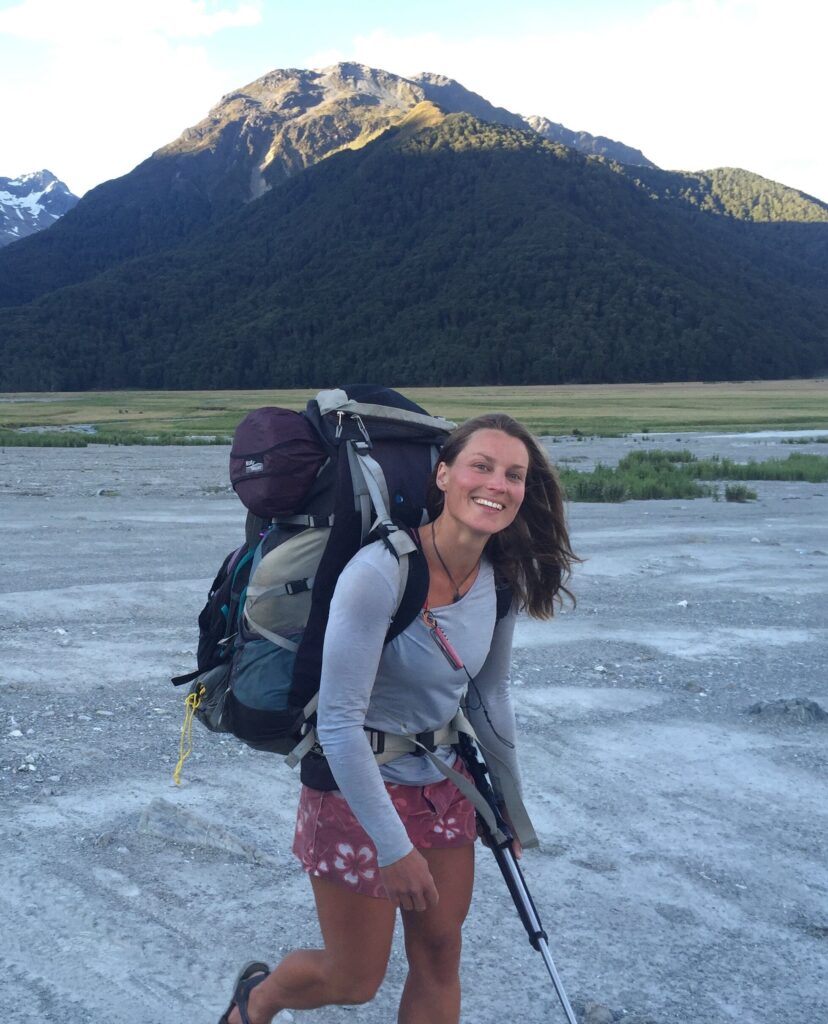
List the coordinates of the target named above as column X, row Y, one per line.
column 371, row 490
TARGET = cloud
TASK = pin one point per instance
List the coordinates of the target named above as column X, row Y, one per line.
column 114, row 76
column 93, row 20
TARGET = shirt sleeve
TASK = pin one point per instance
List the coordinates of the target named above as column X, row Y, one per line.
column 490, row 710
column 361, row 609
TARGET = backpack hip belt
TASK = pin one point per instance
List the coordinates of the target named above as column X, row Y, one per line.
column 387, row 746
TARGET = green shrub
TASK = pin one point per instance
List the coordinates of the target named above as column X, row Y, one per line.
column 656, row 475
column 42, row 439
column 739, row 492
column 797, row 466
column 601, row 485
column 73, row 439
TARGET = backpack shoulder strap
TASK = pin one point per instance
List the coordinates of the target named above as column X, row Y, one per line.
column 503, row 595
column 414, row 590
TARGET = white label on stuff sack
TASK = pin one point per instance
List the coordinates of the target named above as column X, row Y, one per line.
column 251, row 466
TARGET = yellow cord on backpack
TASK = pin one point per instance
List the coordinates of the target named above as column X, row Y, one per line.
column 185, row 740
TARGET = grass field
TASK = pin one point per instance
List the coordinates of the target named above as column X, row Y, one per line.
column 608, row 409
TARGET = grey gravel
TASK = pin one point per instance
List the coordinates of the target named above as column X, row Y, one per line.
column 682, row 875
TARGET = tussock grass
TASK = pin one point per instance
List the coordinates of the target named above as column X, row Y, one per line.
column 739, row 492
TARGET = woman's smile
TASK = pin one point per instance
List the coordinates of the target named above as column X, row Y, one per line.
column 487, row 503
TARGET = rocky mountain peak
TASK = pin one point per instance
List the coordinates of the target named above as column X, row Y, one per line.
column 596, row 145
column 291, row 118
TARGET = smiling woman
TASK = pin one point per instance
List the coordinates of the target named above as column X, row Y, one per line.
column 494, row 464
column 385, row 835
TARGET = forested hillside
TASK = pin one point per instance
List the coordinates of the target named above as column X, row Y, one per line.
column 451, row 253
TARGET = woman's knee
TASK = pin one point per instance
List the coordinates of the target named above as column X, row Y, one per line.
column 354, row 983
column 437, row 956
column 360, row 989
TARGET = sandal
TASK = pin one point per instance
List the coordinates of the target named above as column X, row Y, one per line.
column 249, row 977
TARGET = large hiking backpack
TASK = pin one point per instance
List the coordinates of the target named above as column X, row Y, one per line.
column 317, row 484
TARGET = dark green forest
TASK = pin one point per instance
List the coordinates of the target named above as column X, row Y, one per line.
column 466, row 253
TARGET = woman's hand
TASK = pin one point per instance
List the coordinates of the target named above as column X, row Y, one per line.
column 408, row 882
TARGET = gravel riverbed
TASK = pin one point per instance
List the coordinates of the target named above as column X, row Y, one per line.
column 673, row 749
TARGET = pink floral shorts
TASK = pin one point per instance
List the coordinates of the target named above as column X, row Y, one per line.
column 331, row 843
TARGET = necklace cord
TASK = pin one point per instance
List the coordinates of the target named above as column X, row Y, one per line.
column 456, row 586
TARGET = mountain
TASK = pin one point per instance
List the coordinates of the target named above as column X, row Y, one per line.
column 451, row 250
column 31, row 203
column 254, row 139
column 352, row 223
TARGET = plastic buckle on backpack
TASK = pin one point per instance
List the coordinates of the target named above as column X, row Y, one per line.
column 425, row 739
column 296, row 587
column 376, row 738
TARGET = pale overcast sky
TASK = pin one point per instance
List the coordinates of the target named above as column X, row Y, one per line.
column 91, row 87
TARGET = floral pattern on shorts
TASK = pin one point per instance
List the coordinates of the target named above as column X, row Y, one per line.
column 331, row 843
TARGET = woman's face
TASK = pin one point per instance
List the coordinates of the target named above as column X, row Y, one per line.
column 485, row 484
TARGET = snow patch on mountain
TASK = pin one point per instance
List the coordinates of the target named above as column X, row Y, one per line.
column 30, row 203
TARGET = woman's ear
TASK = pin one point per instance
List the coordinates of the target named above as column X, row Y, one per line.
column 441, row 476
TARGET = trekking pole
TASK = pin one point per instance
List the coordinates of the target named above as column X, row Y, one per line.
column 501, row 846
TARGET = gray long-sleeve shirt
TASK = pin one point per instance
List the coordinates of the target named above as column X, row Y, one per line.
column 407, row 686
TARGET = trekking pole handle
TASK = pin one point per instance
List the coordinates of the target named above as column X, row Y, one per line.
column 516, row 884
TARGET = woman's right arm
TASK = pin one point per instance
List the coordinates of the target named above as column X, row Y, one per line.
column 361, row 609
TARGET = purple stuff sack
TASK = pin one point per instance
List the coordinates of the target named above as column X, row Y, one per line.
column 275, row 458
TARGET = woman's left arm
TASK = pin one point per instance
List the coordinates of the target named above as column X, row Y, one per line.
column 489, row 706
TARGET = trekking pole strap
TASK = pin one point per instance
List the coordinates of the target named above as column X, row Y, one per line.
column 518, row 815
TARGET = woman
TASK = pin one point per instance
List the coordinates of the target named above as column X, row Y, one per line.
column 402, row 835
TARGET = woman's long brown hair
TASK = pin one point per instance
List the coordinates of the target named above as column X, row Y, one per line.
column 533, row 554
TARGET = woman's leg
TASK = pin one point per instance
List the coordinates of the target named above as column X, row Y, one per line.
column 357, row 932
column 433, row 941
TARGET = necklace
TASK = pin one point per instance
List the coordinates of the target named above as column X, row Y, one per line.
column 456, row 586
